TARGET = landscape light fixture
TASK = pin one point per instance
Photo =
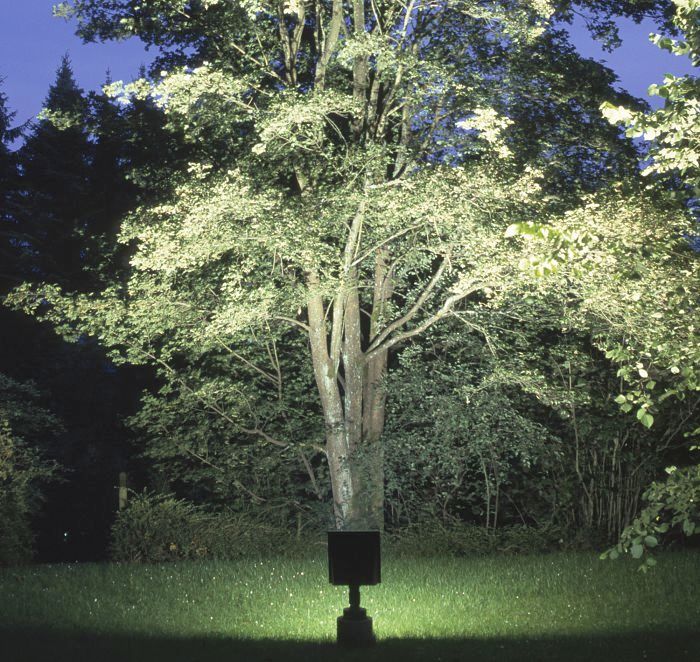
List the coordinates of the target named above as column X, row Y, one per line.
column 354, row 560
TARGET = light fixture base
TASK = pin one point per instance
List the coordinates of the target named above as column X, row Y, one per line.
column 355, row 630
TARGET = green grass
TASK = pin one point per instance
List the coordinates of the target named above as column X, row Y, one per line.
column 551, row 607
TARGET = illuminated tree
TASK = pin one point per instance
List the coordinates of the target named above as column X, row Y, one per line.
column 355, row 166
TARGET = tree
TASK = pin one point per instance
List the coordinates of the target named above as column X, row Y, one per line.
column 66, row 202
column 9, row 234
column 657, row 362
column 675, row 154
column 670, row 350
column 672, row 130
column 355, row 167
column 55, row 165
column 26, row 428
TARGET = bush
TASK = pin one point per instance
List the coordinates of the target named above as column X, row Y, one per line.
column 522, row 539
column 16, row 538
column 21, row 472
column 155, row 528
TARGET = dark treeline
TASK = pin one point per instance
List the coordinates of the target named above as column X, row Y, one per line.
column 63, row 194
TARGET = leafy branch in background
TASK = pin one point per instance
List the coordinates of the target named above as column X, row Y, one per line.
column 674, row 130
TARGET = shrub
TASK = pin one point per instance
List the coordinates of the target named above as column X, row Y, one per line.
column 154, row 528
column 431, row 538
column 21, row 472
column 16, row 538
column 470, row 539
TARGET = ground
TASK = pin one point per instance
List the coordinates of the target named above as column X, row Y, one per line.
column 570, row 607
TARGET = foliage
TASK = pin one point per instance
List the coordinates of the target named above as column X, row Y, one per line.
column 24, row 429
column 667, row 353
column 458, row 430
column 16, row 538
column 54, row 160
column 430, row 537
column 156, row 528
column 643, row 316
column 514, row 422
column 673, row 129
column 81, row 167
column 672, row 502
column 9, row 252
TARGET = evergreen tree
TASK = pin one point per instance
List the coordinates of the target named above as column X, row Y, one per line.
column 55, row 166
column 10, row 238
column 72, row 189
column 110, row 193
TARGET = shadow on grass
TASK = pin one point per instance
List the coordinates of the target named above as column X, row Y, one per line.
column 55, row 646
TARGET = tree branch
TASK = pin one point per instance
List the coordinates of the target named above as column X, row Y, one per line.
column 251, row 365
column 291, row 320
column 236, row 482
column 326, row 376
column 387, row 241
column 445, row 310
column 312, row 474
column 396, row 324
column 261, row 433
column 332, row 34
column 350, row 252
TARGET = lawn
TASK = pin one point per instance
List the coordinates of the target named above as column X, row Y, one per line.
column 551, row 607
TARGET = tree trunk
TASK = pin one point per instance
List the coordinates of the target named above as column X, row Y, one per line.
column 329, row 392
column 352, row 398
column 350, row 368
column 374, row 395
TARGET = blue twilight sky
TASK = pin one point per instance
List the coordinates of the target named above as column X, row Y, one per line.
column 32, row 43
